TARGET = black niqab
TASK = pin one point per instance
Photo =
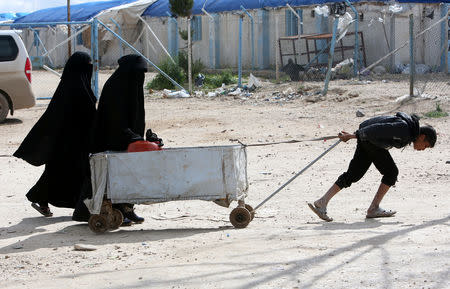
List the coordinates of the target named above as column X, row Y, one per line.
column 60, row 138
column 120, row 116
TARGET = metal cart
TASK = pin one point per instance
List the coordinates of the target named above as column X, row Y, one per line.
column 213, row 173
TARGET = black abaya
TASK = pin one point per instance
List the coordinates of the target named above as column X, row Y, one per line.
column 60, row 138
column 120, row 116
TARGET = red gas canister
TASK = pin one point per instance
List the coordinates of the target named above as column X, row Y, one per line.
column 143, row 146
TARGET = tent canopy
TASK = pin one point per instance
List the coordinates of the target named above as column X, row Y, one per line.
column 78, row 12
column 161, row 8
column 11, row 16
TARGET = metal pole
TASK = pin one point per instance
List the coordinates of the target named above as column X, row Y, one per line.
column 331, row 55
column 189, row 53
column 299, row 173
column 277, row 50
column 445, row 27
column 412, row 68
column 211, row 39
column 253, row 36
column 43, row 46
column 240, row 52
column 119, row 29
column 300, row 26
column 40, row 24
column 356, row 53
column 69, row 45
column 95, row 60
column 392, row 41
column 157, row 39
column 142, row 55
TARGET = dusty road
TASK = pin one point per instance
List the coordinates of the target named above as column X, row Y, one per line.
column 191, row 244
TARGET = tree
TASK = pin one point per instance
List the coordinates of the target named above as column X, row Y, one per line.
column 183, row 8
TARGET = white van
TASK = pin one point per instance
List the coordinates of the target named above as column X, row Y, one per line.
column 15, row 74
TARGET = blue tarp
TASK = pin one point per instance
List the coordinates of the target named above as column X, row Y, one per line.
column 78, row 12
column 161, row 7
column 11, row 16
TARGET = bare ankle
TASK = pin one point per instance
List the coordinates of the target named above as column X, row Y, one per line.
column 372, row 208
column 320, row 204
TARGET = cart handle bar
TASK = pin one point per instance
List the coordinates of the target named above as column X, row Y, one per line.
column 287, row 141
column 299, row 173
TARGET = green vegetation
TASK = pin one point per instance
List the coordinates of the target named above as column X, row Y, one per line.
column 171, row 69
column 438, row 112
column 197, row 66
column 215, row 80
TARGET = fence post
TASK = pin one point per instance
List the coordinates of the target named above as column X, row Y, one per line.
column 356, row 53
column 216, row 41
column 172, row 35
column 331, row 55
column 412, row 68
column 277, row 50
column 94, row 53
column 189, row 54
column 299, row 16
column 445, row 26
column 211, row 39
column 253, row 36
column 392, row 41
column 240, row 52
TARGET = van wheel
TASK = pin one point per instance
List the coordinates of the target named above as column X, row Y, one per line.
column 4, row 108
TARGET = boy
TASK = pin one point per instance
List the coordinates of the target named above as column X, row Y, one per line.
column 375, row 137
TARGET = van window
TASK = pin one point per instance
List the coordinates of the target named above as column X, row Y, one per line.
column 8, row 48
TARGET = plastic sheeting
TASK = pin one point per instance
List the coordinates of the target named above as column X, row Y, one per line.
column 161, row 7
column 11, row 16
column 196, row 173
column 78, row 12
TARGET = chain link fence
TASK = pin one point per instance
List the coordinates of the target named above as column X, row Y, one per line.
column 431, row 78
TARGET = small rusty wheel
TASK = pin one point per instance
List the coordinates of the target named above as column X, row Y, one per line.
column 115, row 219
column 240, row 217
column 250, row 209
column 98, row 224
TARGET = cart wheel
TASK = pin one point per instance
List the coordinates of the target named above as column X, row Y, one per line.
column 240, row 217
column 98, row 224
column 250, row 209
column 115, row 220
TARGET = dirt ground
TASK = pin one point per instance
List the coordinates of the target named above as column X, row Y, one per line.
column 191, row 244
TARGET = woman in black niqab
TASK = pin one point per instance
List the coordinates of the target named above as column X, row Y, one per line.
column 60, row 139
column 120, row 116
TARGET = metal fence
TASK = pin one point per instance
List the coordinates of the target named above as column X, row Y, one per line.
column 285, row 44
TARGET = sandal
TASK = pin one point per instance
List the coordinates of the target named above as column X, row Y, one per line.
column 44, row 211
column 380, row 213
column 320, row 212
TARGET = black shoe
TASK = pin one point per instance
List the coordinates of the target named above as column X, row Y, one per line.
column 126, row 222
column 79, row 218
column 131, row 215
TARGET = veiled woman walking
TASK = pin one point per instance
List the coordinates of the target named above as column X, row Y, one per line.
column 60, row 139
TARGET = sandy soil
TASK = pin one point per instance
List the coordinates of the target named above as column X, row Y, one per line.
column 191, row 244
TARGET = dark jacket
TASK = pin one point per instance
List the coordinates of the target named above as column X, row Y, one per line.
column 389, row 131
